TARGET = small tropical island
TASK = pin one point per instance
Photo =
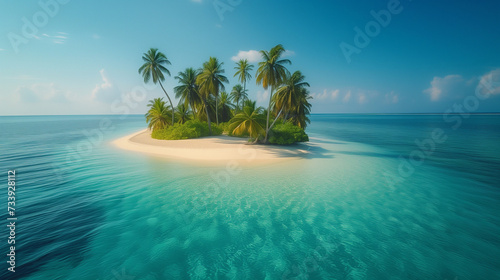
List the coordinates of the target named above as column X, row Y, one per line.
column 206, row 110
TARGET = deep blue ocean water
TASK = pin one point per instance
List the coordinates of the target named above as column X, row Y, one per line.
column 369, row 202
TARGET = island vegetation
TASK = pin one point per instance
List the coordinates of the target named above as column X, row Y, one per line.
column 206, row 109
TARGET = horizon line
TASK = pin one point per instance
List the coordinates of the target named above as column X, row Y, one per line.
column 470, row 113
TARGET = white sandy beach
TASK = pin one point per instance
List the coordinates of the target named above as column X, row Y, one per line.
column 209, row 149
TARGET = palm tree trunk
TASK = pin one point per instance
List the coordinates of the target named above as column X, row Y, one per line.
column 194, row 110
column 268, row 111
column 208, row 118
column 244, row 90
column 276, row 118
column 217, row 109
column 171, row 104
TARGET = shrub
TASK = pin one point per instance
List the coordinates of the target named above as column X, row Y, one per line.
column 223, row 127
column 188, row 130
column 287, row 134
column 217, row 129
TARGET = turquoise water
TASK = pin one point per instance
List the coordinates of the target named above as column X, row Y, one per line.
column 355, row 208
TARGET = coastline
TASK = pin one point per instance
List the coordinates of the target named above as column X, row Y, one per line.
column 210, row 150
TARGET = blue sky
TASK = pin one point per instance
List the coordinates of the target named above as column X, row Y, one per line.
column 81, row 57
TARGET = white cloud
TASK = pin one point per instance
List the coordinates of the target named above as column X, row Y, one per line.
column 96, row 36
column 58, row 38
column 391, row 98
column 490, row 83
column 456, row 87
column 448, row 86
column 104, row 91
column 263, row 97
column 41, row 92
column 254, row 56
column 362, row 98
column 335, row 94
column 251, row 55
column 40, row 97
column 288, row 53
column 347, row 97
column 2, row 50
column 326, row 95
column 320, row 96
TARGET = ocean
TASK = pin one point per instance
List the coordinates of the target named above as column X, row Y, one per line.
column 378, row 197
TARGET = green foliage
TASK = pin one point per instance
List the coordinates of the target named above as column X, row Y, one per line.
column 188, row 130
column 223, row 127
column 182, row 113
column 250, row 121
column 238, row 94
column 225, row 107
column 243, row 70
column 203, row 92
column 217, row 129
column 271, row 73
column 287, row 134
column 158, row 114
column 187, row 90
column 211, row 81
column 154, row 67
column 291, row 99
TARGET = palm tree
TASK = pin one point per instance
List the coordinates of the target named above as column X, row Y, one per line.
column 154, row 66
column 250, row 103
column 250, row 121
column 243, row 72
column 238, row 94
column 211, row 80
column 288, row 97
column 206, row 110
column 302, row 110
column 158, row 115
column 182, row 113
column 204, row 98
column 271, row 73
column 225, row 107
column 202, row 110
column 187, row 90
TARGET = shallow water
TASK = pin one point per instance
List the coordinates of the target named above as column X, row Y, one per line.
column 90, row 211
